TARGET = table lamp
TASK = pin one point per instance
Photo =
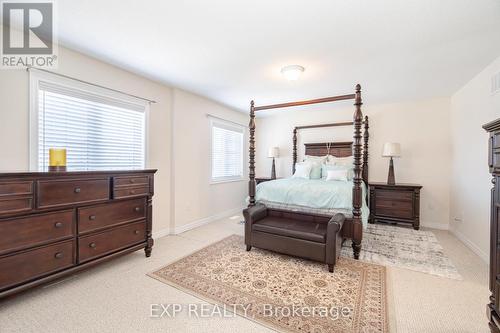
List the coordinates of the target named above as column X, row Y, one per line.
column 274, row 152
column 391, row 149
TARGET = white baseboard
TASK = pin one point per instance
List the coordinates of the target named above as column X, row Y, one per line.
column 440, row 226
column 473, row 247
column 161, row 233
column 206, row 220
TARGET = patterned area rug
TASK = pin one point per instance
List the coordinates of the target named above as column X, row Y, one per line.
column 417, row 250
column 283, row 292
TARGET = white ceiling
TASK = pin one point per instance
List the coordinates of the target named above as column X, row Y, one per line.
column 232, row 50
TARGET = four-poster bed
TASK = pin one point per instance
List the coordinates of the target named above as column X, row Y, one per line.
column 352, row 226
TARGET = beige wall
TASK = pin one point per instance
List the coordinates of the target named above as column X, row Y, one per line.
column 194, row 197
column 471, row 107
column 422, row 128
column 14, row 118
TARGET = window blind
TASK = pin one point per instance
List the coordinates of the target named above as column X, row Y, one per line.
column 227, row 152
column 99, row 132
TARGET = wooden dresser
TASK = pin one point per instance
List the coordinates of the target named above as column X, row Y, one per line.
column 493, row 309
column 55, row 223
column 398, row 203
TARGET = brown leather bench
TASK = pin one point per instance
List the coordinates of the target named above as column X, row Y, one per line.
column 315, row 237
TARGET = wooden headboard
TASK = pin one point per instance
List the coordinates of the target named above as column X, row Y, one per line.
column 337, row 149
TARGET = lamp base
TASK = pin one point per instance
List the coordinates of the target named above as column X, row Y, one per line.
column 273, row 170
column 390, row 177
column 57, row 168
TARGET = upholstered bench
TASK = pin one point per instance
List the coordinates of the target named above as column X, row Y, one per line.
column 315, row 237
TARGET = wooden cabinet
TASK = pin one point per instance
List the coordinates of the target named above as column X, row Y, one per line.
column 53, row 224
column 493, row 308
column 398, row 203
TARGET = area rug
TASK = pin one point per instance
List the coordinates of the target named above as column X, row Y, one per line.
column 401, row 247
column 283, row 292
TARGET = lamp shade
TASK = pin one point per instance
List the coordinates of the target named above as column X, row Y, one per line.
column 391, row 149
column 274, row 152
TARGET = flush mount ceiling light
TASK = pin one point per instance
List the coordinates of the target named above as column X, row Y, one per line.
column 292, row 72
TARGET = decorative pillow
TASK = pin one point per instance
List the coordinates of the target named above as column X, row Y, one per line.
column 344, row 161
column 302, row 170
column 329, row 167
column 316, row 162
column 340, row 175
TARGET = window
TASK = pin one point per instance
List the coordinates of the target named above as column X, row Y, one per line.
column 227, row 151
column 100, row 129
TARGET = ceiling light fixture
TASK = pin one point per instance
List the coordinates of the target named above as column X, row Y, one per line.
column 292, row 72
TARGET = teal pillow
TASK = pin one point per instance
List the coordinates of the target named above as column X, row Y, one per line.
column 315, row 170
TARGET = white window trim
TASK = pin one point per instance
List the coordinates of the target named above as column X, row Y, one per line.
column 236, row 127
column 34, row 81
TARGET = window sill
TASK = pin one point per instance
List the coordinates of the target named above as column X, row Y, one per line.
column 223, row 181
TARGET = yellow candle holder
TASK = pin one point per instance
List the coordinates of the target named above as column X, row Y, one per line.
column 57, row 159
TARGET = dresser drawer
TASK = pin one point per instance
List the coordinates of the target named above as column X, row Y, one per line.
column 131, row 180
column 35, row 230
column 52, row 193
column 97, row 245
column 11, row 205
column 22, row 267
column 130, row 192
column 16, row 188
column 394, row 208
column 102, row 216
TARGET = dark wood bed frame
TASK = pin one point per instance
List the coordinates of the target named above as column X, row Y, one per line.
column 353, row 227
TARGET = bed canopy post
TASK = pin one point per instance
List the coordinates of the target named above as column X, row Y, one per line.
column 366, row 136
column 294, row 149
column 357, row 192
column 251, row 160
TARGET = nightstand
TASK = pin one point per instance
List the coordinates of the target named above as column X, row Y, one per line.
column 259, row 180
column 398, row 203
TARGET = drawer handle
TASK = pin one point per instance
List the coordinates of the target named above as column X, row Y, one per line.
column 58, row 224
column 137, row 209
column 92, row 217
column 92, row 245
column 77, row 190
column 136, row 232
column 58, row 255
column 131, row 180
column 132, row 192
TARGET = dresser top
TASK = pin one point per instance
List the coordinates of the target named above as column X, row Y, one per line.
column 17, row 174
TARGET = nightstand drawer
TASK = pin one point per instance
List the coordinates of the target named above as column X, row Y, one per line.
column 395, row 195
column 394, row 208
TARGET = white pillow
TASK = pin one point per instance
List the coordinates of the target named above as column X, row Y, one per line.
column 327, row 167
column 340, row 174
column 343, row 161
column 322, row 159
column 302, row 170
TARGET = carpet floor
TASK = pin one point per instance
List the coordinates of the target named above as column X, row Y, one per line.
column 118, row 296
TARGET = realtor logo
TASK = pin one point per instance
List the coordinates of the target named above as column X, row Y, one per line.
column 28, row 34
